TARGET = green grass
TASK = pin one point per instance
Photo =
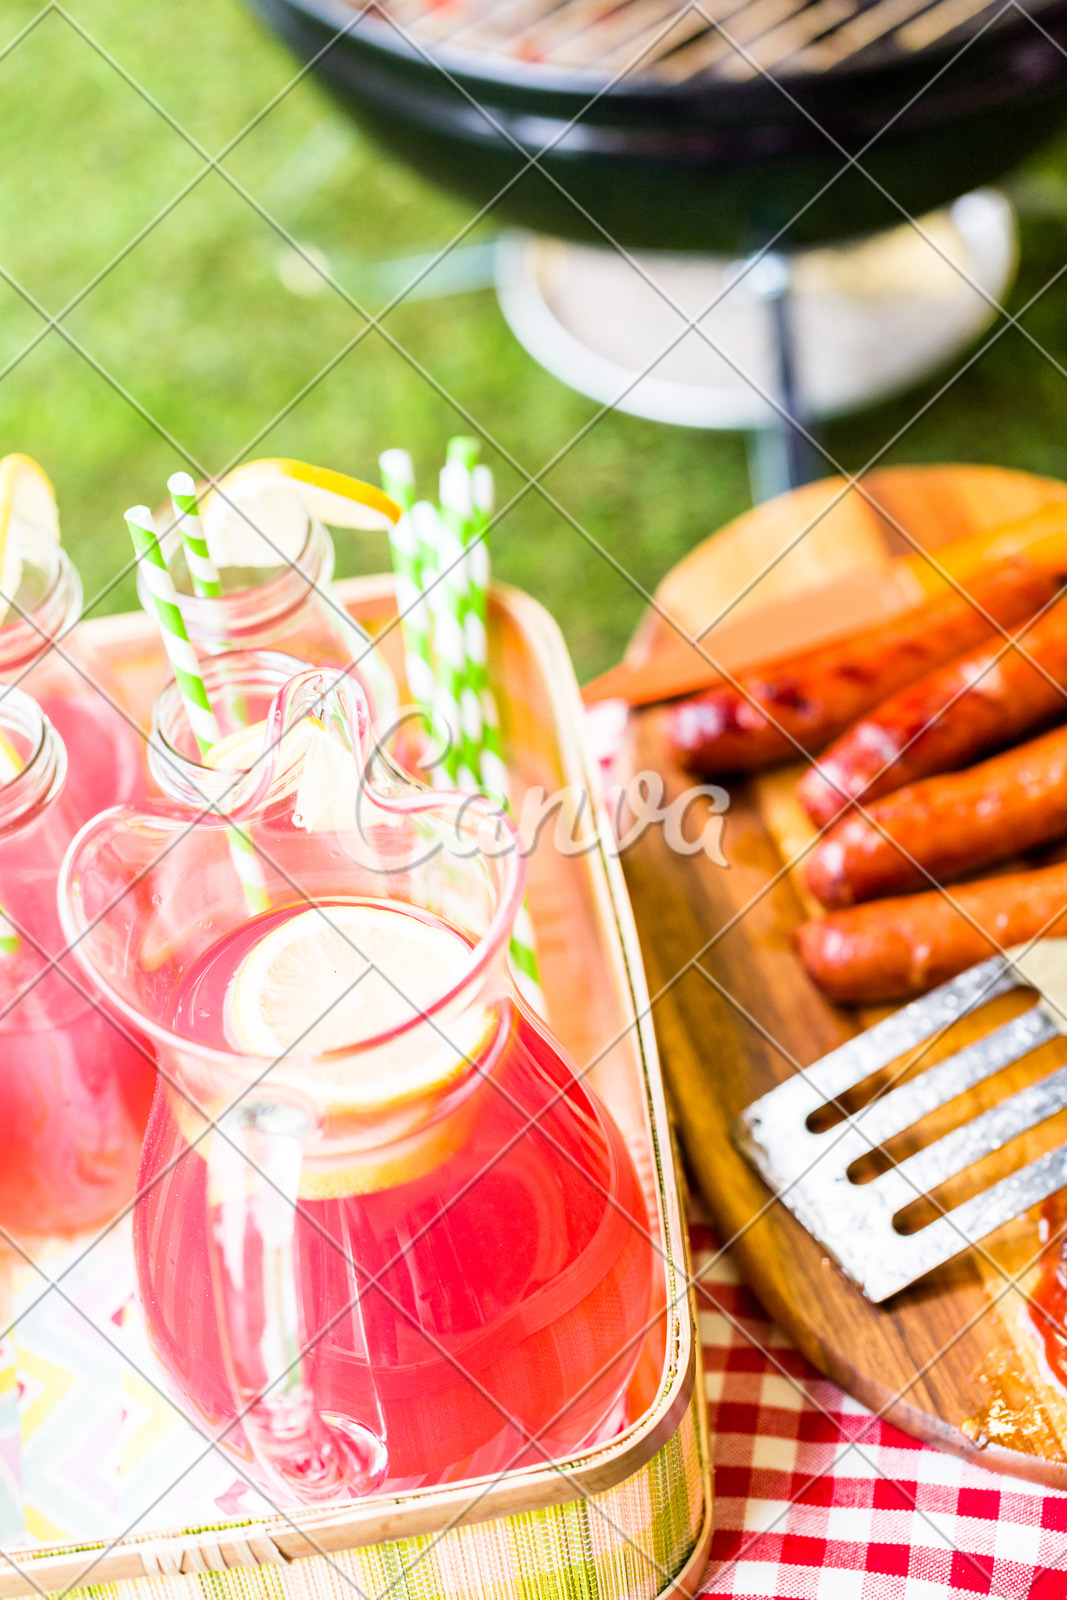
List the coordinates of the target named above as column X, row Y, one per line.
column 192, row 348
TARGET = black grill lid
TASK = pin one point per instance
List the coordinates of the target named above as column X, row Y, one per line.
column 672, row 41
column 696, row 144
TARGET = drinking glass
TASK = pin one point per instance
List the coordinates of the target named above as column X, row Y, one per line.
column 75, row 1084
column 387, row 1234
column 69, row 677
column 241, row 688
column 289, row 607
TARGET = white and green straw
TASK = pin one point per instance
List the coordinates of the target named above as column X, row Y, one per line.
column 457, row 510
column 202, row 570
column 457, row 768
column 494, row 773
column 398, row 481
column 180, row 652
column 249, row 870
column 469, row 514
column 478, row 699
column 191, row 687
column 458, row 480
column 444, row 554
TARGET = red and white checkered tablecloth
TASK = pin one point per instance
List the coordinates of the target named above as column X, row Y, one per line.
column 816, row 1501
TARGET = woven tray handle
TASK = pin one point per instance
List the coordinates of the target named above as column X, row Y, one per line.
column 253, row 1179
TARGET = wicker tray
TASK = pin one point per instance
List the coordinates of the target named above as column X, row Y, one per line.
column 624, row 1521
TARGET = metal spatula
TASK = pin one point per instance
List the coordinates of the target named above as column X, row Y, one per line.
column 855, row 1221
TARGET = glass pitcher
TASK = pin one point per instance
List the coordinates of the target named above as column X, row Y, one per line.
column 75, row 1086
column 289, row 607
column 72, row 681
column 387, row 1236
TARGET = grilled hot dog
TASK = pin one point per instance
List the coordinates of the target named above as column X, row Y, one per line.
column 946, row 720
column 951, row 825
column 895, row 949
column 815, row 696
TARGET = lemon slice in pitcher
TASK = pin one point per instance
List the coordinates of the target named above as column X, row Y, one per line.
column 328, row 978
column 26, row 496
column 257, row 517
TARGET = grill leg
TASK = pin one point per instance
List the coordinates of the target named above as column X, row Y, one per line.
column 780, row 457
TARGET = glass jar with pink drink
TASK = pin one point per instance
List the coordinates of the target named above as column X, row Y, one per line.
column 42, row 652
column 75, row 1081
column 276, row 593
column 388, row 1235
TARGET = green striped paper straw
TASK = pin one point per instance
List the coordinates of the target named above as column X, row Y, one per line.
column 457, row 766
column 426, row 544
column 476, row 500
column 249, row 870
column 478, row 506
column 190, row 683
column 10, row 767
column 202, row 570
column 398, row 481
column 493, row 772
column 463, row 449
column 457, row 511
column 180, row 652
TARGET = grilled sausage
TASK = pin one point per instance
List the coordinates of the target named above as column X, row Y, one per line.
column 813, row 697
column 946, row 720
column 895, row 949
column 950, row 826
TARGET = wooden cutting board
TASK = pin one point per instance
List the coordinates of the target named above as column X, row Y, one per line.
column 952, row 1360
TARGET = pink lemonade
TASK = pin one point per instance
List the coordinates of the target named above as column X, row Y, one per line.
column 106, row 756
column 493, row 1283
column 75, row 1087
column 72, row 681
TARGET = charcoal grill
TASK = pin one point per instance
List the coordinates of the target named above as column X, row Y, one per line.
column 658, row 125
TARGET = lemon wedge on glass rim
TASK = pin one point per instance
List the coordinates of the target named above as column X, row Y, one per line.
column 257, row 515
column 320, row 770
column 26, row 497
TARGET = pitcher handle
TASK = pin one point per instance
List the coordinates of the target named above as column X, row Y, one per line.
column 253, row 1186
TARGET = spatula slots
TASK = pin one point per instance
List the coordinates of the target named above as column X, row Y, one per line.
column 932, row 1156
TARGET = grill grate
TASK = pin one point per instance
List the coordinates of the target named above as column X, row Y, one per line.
column 789, row 37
